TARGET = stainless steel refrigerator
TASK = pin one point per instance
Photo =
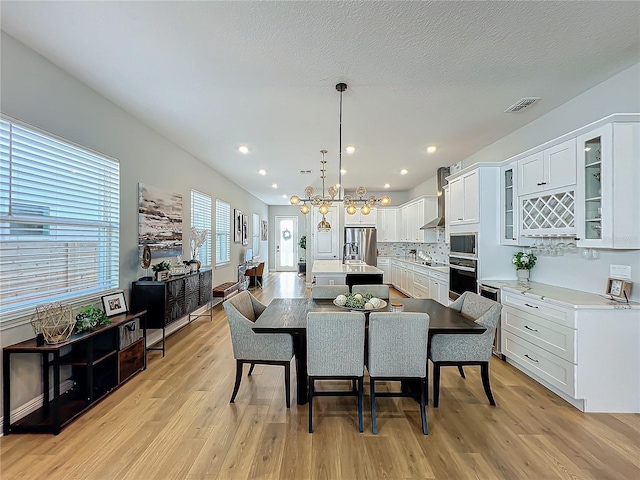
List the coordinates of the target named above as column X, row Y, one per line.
column 360, row 243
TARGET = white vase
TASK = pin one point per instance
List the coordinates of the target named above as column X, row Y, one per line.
column 523, row 275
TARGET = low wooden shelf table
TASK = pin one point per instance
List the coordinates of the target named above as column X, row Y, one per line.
column 99, row 360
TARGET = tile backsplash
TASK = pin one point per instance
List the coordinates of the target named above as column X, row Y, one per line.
column 439, row 252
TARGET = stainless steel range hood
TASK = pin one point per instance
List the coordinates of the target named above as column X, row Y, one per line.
column 443, row 173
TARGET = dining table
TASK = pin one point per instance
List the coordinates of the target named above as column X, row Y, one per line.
column 289, row 315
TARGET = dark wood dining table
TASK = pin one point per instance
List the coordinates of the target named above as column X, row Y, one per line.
column 289, row 315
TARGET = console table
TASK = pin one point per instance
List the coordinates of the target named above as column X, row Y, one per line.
column 169, row 300
column 100, row 360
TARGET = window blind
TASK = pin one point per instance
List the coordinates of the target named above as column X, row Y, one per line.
column 59, row 220
column 201, row 220
column 223, row 232
column 256, row 234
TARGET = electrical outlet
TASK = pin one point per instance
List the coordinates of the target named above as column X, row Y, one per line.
column 620, row 271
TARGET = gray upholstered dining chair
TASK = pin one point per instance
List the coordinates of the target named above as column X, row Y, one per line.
column 459, row 350
column 328, row 292
column 379, row 291
column 256, row 348
column 335, row 349
column 398, row 351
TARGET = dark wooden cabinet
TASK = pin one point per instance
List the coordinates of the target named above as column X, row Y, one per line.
column 99, row 361
column 169, row 300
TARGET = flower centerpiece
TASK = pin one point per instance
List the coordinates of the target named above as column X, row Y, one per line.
column 198, row 237
column 90, row 317
column 524, row 261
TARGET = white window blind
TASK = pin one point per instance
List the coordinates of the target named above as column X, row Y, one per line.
column 256, row 234
column 201, row 220
column 59, row 220
column 223, row 232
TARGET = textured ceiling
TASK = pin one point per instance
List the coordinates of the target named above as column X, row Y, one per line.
column 212, row 76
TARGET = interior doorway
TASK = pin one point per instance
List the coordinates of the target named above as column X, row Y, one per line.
column 286, row 244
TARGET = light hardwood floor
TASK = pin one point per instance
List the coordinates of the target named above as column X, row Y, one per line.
column 174, row 421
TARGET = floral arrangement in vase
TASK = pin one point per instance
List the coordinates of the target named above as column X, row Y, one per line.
column 198, row 237
column 524, row 261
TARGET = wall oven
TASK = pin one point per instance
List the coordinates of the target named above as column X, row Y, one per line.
column 464, row 244
column 463, row 276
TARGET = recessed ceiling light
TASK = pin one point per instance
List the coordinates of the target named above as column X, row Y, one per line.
column 262, row 172
column 350, row 149
column 275, row 185
column 386, row 185
column 284, row 195
column 404, row 171
column 343, row 171
column 243, row 149
column 431, row 148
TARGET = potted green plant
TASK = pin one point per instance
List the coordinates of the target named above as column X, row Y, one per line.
column 160, row 267
column 303, row 245
column 90, row 317
column 524, row 262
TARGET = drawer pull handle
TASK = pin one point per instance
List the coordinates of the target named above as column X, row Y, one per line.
column 542, row 183
column 532, row 359
column 532, row 306
column 529, row 328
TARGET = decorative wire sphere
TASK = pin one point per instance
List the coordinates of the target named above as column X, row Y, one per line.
column 348, row 199
column 305, row 208
column 54, row 321
column 316, row 200
column 295, row 200
column 361, row 191
column 308, row 192
column 372, row 200
column 333, row 191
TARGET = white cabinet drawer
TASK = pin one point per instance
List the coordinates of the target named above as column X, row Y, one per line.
column 420, row 292
column 421, row 280
column 540, row 308
column 550, row 336
column 547, row 366
column 440, row 276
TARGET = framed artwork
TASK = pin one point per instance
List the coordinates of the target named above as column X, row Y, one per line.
column 114, row 303
column 159, row 221
column 245, row 229
column 264, row 230
column 237, row 225
column 619, row 288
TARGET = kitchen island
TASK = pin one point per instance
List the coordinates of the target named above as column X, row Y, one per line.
column 334, row 272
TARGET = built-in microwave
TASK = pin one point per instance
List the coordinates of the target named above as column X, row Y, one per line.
column 464, row 244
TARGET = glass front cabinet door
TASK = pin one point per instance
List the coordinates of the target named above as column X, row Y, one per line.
column 509, row 197
column 594, row 205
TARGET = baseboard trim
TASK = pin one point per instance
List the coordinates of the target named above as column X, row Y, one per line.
column 34, row 404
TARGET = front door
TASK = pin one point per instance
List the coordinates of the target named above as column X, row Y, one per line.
column 286, row 244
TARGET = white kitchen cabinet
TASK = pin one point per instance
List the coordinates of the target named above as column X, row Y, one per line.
column 447, row 212
column 420, row 285
column 359, row 219
column 395, row 273
column 509, row 202
column 325, row 245
column 578, row 351
column 414, row 215
column 464, row 199
column 549, row 169
column 384, row 264
column 387, row 224
column 608, row 187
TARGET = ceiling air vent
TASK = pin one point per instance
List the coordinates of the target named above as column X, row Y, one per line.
column 522, row 104
column 305, row 172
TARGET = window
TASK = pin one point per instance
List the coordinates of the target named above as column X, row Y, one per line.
column 59, row 221
column 256, row 234
column 201, row 220
column 223, row 232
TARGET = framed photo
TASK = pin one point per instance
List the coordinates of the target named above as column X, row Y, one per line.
column 163, row 275
column 619, row 288
column 114, row 304
column 264, row 230
column 237, row 225
column 245, row 229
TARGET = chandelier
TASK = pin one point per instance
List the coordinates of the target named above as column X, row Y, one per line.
column 351, row 202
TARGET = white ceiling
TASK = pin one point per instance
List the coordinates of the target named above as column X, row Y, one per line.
column 212, row 76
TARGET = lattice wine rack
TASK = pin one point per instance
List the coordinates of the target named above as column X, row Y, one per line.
column 549, row 215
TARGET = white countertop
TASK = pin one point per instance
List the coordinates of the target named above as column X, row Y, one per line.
column 336, row 267
column 436, row 267
column 562, row 296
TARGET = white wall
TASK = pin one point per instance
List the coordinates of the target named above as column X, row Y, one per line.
column 37, row 92
column 618, row 94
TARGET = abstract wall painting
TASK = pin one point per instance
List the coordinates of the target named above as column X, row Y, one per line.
column 159, row 221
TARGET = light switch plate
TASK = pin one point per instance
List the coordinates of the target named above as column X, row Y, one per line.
column 620, row 271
